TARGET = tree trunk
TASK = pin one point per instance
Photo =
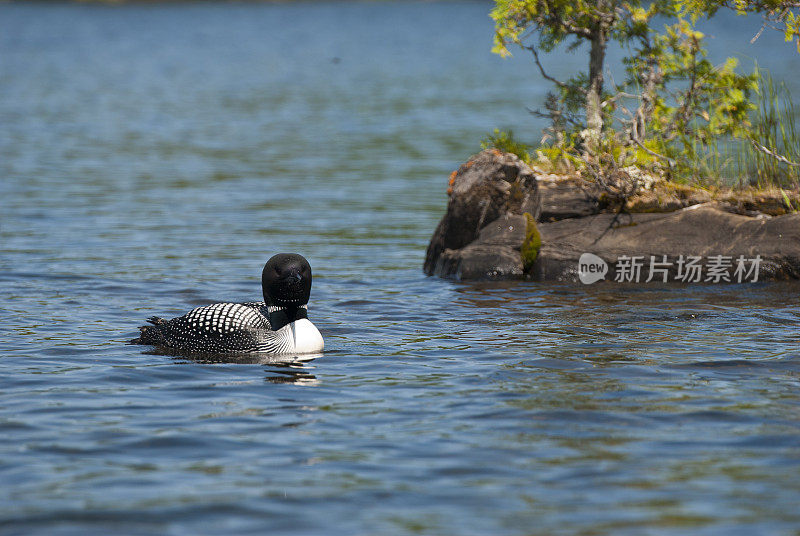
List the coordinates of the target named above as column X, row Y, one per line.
column 594, row 97
column 649, row 81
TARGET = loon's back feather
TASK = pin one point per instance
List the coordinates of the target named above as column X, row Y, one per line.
column 223, row 328
column 151, row 334
column 219, row 327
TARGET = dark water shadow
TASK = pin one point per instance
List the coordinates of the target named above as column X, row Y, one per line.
column 234, row 358
column 278, row 369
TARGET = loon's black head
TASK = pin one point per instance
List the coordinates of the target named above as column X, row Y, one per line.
column 286, row 281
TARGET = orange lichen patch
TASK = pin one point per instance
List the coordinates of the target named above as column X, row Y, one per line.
column 466, row 165
column 496, row 152
column 452, row 178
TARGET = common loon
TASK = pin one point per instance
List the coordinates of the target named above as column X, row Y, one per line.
column 278, row 325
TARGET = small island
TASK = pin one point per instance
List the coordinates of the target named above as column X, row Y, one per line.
column 506, row 221
column 685, row 171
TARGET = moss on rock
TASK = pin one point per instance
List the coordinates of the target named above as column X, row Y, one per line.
column 531, row 244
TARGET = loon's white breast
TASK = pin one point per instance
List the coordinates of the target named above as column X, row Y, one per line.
column 305, row 338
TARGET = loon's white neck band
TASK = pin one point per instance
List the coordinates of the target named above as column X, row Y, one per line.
column 274, row 308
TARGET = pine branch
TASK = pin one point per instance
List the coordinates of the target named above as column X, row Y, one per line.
column 546, row 76
column 773, row 154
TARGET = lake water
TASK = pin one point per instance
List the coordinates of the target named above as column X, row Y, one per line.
column 152, row 157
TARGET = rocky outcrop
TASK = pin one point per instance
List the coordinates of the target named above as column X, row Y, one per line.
column 481, row 234
column 635, row 245
column 490, row 231
column 564, row 198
